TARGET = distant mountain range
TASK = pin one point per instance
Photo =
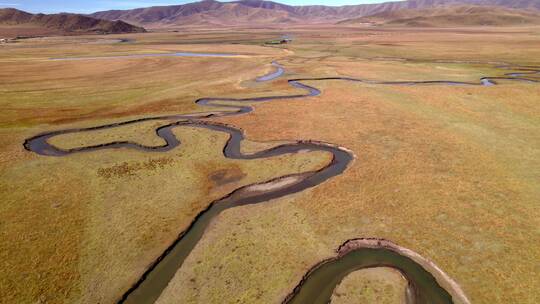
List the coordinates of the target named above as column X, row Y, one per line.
column 253, row 12
column 257, row 12
column 14, row 22
column 455, row 15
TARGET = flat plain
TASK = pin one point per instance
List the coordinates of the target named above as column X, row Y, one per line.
column 448, row 171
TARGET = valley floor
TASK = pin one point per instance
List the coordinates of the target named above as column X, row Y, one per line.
column 448, row 171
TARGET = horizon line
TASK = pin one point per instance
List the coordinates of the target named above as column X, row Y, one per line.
column 116, row 6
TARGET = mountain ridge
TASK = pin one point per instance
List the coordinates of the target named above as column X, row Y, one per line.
column 20, row 23
column 447, row 16
column 269, row 12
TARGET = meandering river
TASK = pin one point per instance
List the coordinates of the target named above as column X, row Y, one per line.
column 320, row 281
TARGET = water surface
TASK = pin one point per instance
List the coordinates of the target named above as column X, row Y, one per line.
column 179, row 54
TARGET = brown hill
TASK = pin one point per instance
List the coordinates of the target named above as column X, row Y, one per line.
column 252, row 12
column 207, row 12
column 451, row 16
column 18, row 23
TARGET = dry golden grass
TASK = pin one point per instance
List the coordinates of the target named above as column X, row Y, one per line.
column 372, row 286
column 518, row 45
column 403, row 71
column 448, row 175
column 143, row 133
column 83, row 228
column 449, row 172
column 71, row 91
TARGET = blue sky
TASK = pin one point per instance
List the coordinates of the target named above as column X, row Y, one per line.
column 88, row 6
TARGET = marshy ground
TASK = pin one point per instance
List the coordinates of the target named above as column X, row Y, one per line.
column 450, row 172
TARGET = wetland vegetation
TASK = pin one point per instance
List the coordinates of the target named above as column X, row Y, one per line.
column 132, row 155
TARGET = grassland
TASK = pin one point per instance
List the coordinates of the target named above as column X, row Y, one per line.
column 372, row 285
column 449, row 172
column 84, row 228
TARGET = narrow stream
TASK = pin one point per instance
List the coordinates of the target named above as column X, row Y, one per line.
column 319, row 284
column 273, row 75
column 157, row 279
